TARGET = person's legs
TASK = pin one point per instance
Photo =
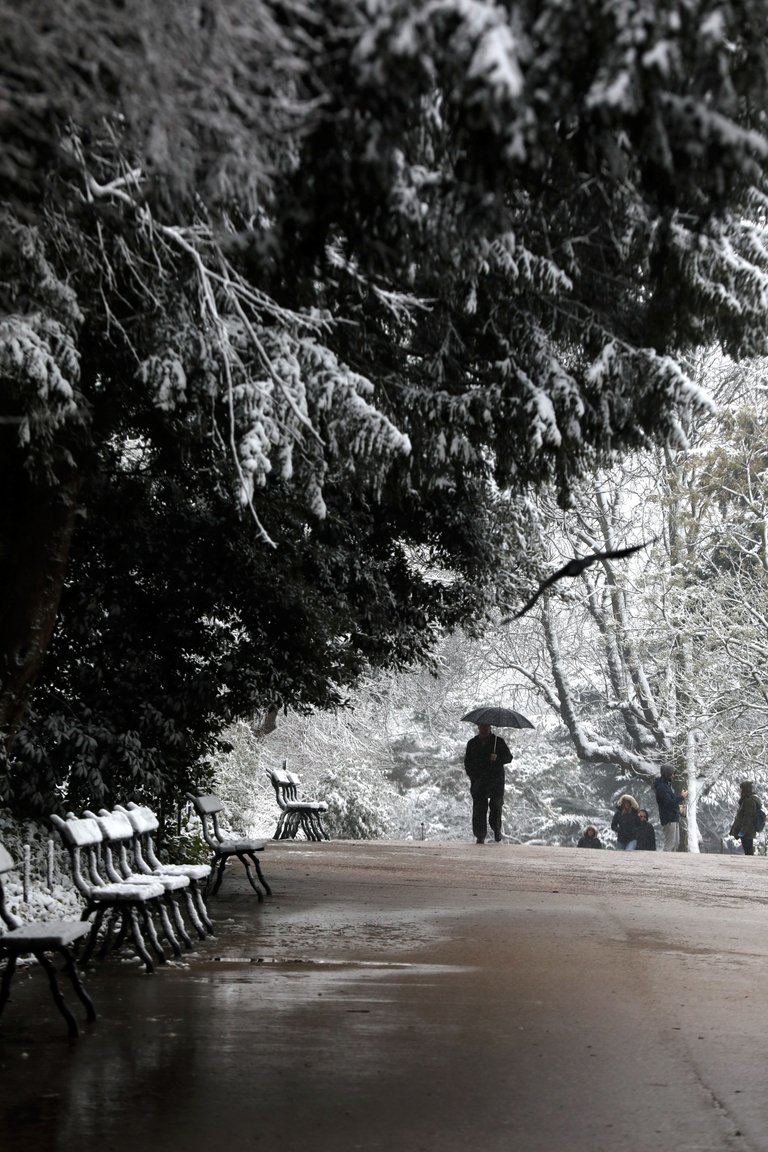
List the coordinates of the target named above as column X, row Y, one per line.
column 749, row 845
column 631, row 845
column 494, row 811
column 671, row 833
column 480, row 798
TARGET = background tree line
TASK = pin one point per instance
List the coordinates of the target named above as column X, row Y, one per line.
column 658, row 660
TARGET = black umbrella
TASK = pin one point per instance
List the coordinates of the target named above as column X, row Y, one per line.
column 501, row 717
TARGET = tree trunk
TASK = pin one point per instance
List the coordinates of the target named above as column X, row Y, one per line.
column 691, row 785
column 268, row 724
column 36, row 525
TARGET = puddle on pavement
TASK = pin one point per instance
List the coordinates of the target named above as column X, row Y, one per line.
column 320, row 962
column 290, row 964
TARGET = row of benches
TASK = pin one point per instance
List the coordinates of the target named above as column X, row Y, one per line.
column 132, row 895
column 129, row 893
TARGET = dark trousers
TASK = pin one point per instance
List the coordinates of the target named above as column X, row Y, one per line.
column 749, row 845
column 487, row 803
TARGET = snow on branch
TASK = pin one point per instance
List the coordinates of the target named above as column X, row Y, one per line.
column 283, row 387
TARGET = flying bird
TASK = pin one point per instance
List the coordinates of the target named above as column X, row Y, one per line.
column 575, row 567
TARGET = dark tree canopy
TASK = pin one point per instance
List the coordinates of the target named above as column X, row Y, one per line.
column 291, row 296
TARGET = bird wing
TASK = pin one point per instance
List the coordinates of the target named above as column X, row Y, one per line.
column 575, row 567
column 621, row 552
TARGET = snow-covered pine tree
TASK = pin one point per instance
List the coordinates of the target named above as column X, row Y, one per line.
column 371, row 257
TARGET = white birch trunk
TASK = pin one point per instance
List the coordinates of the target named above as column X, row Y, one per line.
column 692, row 801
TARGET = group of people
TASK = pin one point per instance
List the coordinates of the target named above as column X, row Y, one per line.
column 634, row 831
column 632, row 825
column 487, row 754
column 633, row 828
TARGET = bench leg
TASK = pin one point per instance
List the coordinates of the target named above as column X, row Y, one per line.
column 193, row 913
column 287, row 826
column 178, row 919
column 112, row 938
column 291, row 826
column 93, row 935
column 149, row 929
column 317, row 827
column 198, row 908
column 5, row 985
column 43, row 960
column 124, row 930
column 138, row 940
column 320, row 827
column 219, row 875
column 306, row 826
column 80, row 991
column 165, row 923
column 243, row 857
column 260, row 874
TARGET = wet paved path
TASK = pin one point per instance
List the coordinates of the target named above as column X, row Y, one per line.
column 429, row 997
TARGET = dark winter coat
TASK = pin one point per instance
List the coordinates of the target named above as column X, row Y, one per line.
column 668, row 800
column 477, row 758
column 744, row 822
column 625, row 825
column 590, row 842
column 646, row 837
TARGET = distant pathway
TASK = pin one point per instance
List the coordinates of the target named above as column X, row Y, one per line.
column 427, row 996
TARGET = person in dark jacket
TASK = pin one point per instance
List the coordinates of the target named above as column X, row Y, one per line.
column 625, row 823
column 589, row 839
column 669, row 803
column 646, row 834
column 744, row 825
column 484, row 760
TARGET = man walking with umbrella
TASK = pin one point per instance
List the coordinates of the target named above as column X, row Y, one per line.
column 484, row 760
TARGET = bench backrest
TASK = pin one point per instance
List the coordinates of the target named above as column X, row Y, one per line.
column 115, row 826
column 143, row 819
column 206, row 805
column 284, row 789
column 80, row 836
column 118, row 834
column 209, row 806
column 83, row 833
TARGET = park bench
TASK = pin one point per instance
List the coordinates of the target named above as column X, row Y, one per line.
column 38, row 940
column 117, row 834
column 296, row 813
column 122, row 909
column 208, row 808
column 144, row 822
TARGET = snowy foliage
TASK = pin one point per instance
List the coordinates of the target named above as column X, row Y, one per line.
column 51, row 892
column 391, row 765
column 660, row 658
column 660, row 134
column 39, row 358
column 370, row 267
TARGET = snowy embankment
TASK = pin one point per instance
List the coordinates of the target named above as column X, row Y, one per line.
column 41, row 887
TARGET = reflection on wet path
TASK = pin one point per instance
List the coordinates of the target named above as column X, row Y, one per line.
column 434, row 999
